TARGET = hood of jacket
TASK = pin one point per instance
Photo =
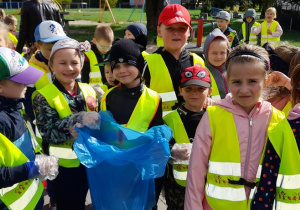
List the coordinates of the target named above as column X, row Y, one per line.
column 294, row 112
column 250, row 13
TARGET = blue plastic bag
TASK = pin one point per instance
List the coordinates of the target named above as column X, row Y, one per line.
column 122, row 163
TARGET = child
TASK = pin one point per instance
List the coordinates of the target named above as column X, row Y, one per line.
column 223, row 20
column 58, row 106
column 164, row 67
column 45, row 34
column 102, row 41
column 216, row 49
column 270, row 29
column 230, row 141
column 137, row 32
column 21, row 171
column 132, row 103
column 12, row 22
column 249, row 20
column 195, row 88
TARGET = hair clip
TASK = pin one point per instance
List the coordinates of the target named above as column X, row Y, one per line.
column 84, row 46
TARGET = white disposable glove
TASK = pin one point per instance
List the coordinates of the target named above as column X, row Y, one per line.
column 181, row 152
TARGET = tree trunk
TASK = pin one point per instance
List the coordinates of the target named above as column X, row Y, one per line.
column 153, row 9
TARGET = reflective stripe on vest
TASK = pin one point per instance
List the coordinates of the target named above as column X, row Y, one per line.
column 161, row 81
column 252, row 37
column 23, row 195
column 56, row 100
column 265, row 37
column 174, row 121
column 224, row 166
column 95, row 73
column 219, row 192
column 139, row 119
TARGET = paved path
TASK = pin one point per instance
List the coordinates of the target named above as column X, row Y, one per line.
column 161, row 203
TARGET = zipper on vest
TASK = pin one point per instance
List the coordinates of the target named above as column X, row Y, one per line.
column 248, row 148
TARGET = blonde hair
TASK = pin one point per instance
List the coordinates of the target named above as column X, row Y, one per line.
column 295, row 82
column 104, row 33
column 272, row 9
column 4, row 33
column 9, row 19
column 244, row 58
column 2, row 14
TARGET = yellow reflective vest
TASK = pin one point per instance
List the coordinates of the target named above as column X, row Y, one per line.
column 12, row 38
column 174, row 121
column 56, row 100
column 46, row 77
column 225, row 162
column 144, row 111
column 161, row 81
column 252, row 37
column 159, row 41
column 265, row 37
column 23, row 195
column 95, row 73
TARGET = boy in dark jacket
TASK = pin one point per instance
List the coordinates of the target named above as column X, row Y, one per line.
column 223, row 20
column 245, row 33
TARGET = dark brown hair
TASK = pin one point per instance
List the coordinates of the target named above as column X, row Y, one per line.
column 295, row 82
column 9, row 19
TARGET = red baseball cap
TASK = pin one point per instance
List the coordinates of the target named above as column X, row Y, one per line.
column 174, row 13
column 195, row 75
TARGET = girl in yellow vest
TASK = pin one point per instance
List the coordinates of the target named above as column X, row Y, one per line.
column 270, row 29
column 131, row 103
column 232, row 139
column 58, row 106
column 195, row 88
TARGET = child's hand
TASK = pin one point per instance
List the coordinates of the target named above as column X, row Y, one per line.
column 91, row 120
column 208, row 102
column 181, row 151
column 73, row 131
column 278, row 79
column 99, row 92
column 269, row 32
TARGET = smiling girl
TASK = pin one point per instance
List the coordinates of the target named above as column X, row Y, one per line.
column 57, row 107
column 233, row 137
column 270, row 29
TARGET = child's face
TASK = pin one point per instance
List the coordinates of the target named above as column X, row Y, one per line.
column 45, row 48
column 109, row 75
column 174, row 36
column 128, row 35
column 126, row 74
column 249, row 19
column 66, row 65
column 217, row 52
column 12, row 90
column 246, row 81
column 102, row 45
column 13, row 26
column 269, row 16
column 3, row 42
column 222, row 24
column 195, row 96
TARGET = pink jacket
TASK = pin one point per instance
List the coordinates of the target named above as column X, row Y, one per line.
column 294, row 112
column 250, row 149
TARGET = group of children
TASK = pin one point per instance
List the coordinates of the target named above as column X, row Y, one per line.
column 231, row 149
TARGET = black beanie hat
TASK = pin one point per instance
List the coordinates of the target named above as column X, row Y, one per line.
column 137, row 29
column 126, row 51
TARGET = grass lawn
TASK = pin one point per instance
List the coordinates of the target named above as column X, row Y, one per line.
column 85, row 32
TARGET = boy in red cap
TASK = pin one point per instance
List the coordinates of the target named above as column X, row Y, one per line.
column 164, row 67
column 195, row 88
